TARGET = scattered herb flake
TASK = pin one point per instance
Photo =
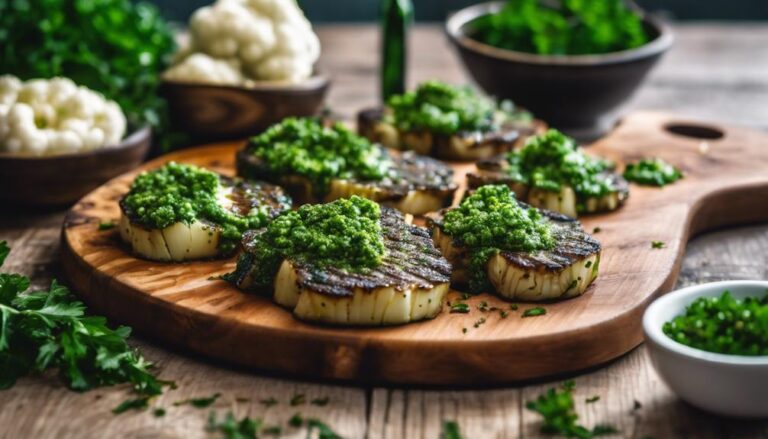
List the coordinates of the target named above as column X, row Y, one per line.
column 132, row 404
column 296, row 420
column 483, row 307
column 159, row 412
column 534, row 312
column 592, row 399
column 597, row 230
column 479, row 322
column 503, row 314
column 269, row 402
column 513, row 307
column 321, row 401
column 200, row 403
column 298, row 399
column 459, row 308
column 657, row 244
column 323, row 430
column 451, row 430
column 231, row 428
column 464, row 330
column 637, row 405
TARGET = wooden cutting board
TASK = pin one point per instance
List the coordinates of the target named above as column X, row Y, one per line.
column 726, row 184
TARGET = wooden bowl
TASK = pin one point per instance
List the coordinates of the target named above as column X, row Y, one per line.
column 579, row 94
column 60, row 180
column 221, row 112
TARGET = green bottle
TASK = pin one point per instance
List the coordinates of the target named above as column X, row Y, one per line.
column 396, row 17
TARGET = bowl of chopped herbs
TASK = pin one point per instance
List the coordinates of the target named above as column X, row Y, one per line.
column 709, row 343
column 571, row 63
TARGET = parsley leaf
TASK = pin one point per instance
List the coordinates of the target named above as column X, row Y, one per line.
column 534, row 312
column 558, row 410
column 450, row 430
column 232, row 428
column 44, row 330
column 323, row 430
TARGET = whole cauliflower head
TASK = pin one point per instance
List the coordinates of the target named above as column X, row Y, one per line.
column 270, row 40
column 55, row 116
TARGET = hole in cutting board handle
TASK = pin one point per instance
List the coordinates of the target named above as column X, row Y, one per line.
column 694, row 131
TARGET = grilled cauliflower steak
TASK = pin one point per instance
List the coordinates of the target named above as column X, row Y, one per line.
column 447, row 122
column 407, row 284
column 561, row 270
column 162, row 221
column 316, row 163
column 552, row 173
column 461, row 146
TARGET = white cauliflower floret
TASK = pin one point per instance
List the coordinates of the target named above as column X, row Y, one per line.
column 271, row 40
column 55, row 116
column 200, row 67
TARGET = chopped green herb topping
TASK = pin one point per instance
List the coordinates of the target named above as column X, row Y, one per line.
column 344, row 234
column 490, row 220
column 186, row 193
column 558, row 410
column 459, row 308
column 451, row 430
column 307, row 148
column 597, row 230
column 232, row 428
column 563, row 27
column 534, row 312
column 552, row 160
column 657, row 244
column 593, row 398
column 323, row 430
column 442, row 108
column 652, row 172
column 199, row 402
column 479, row 322
column 724, row 325
column 45, row 330
column 159, row 412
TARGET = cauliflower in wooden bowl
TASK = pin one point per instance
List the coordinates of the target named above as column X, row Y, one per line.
column 59, row 140
column 245, row 65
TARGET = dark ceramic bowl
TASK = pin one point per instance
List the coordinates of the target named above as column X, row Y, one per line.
column 60, row 180
column 222, row 112
column 579, row 94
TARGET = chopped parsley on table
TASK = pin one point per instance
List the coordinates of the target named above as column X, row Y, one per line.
column 489, row 221
column 557, row 407
column 552, row 160
column 566, row 27
column 723, row 324
column 442, row 108
column 344, row 234
column 535, row 312
column 186, row 193
column 44, row 330
column 652, row 172
column 319, row 153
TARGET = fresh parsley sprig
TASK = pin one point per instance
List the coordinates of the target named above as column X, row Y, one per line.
column 44, row 330
column 560, row 417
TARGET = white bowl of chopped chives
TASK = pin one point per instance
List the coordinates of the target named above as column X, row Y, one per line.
column 711, row 348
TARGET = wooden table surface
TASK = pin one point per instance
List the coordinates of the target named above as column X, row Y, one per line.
column 715, row 71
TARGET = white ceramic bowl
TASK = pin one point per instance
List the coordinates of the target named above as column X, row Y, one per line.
column 730, row 385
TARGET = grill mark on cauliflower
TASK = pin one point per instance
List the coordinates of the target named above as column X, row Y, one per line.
column 56, row 116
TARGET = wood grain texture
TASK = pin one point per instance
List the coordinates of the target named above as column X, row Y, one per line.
column 715, row 71
column 178, row 303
